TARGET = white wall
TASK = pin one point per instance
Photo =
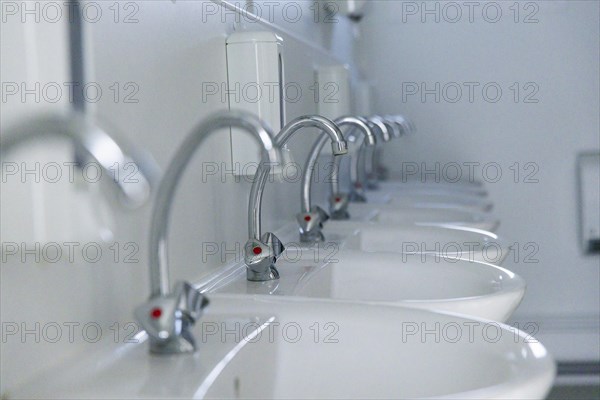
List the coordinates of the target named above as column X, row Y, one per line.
column 168, row 51
column 559, row 54
column 32, row 53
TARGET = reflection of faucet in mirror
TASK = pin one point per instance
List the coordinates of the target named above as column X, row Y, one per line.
column 261, row 251
column 338, row 200
column 91, row 144
column 168, row 316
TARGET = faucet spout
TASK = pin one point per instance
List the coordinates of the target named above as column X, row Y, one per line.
column 159, row 275
column 91, row 143
column 339, row 200
column 259, row 256
column 369, row 157
column 402, row 125
column 385, row 127
column 168, row 316
column 399, row 126
column 406, row 124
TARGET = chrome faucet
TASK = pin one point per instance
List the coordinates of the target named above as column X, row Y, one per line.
column 261, row 251
column 168, row 316
column 338, row 202
column 405, row 126
column 371, row 156
column 92, row 143
column 402, row 126
column 361, row 164
column 386, row 130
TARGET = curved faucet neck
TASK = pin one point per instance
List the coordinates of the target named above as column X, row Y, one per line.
column 405, row 124
column 357, row 122
column 90, row 142
column 159, row 273
column 331, row 132
column 383, row 127
column 368, row 159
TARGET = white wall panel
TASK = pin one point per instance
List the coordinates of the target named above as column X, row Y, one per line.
column 554, row 46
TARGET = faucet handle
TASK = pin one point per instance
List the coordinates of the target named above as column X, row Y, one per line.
column 273, row 243
column 338, row 206
column 372, row 181
column 191, row 301
column 357, row 194
column 260, row 257
column 311, row 224
column 167, row 319
column 383, row 173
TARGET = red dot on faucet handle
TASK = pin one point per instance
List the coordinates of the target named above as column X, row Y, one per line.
column 257, row 250
column 338, row 199
column 156, row 313
column 307, row 218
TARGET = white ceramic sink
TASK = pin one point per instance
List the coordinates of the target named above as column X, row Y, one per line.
column 267, row 347
column 365, row 211
column 441, row 200
column 429, row 181
column 378, row 352
column 473, row 288
column 440, row 188
column 435, row 242
column 422, row 200
column 388, row 213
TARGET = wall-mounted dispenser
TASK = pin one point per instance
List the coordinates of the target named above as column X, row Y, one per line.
column 333, row 97
column 255, row 84
column 353, row 9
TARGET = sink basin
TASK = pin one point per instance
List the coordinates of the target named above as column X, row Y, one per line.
column 428, row 180
column 378, row 197
column 423, row 200
column 365, row 211
column 267, row 347
column 473, row 288
column 388, row 213
column 478, row 289
column 435, row 242
column 370, row 352
column 441, row 201
column 439, row 188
